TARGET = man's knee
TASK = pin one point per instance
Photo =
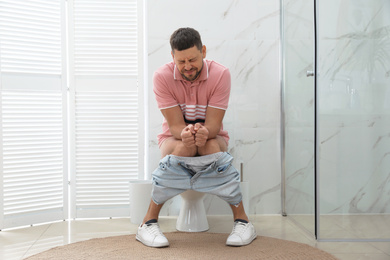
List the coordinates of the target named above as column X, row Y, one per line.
column 176, row 147
column 211, row 146
column 181, row 150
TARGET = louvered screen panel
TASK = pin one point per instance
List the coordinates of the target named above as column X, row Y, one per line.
column 103, row 77
column 33, row 162
column 30, row 34
column 33, row 112
column 105, row 33
column 106, row 151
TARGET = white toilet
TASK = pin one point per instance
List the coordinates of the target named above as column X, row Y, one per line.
column 192, row 216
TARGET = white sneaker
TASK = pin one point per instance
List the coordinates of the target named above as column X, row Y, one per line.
column 151, row 235
column 243, row 234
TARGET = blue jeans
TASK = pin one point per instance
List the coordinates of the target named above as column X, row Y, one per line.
column 177, row 174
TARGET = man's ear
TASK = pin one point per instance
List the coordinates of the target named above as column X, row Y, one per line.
column 204, row 51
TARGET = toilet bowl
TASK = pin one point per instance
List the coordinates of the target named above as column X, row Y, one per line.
column 192, row 216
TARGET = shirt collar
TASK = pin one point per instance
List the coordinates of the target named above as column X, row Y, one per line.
column 204, row 74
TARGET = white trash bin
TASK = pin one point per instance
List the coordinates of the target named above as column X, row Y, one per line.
column 140, row 196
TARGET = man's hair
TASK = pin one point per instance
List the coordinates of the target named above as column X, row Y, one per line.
column 185, row 38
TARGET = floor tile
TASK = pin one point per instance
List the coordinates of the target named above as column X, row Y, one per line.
column 348, row 247
column 383, row 246
column 361, row 256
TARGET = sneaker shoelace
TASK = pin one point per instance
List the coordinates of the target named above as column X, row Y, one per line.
column 154, row 229
column 239, row 228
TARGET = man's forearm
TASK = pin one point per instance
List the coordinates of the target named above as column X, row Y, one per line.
column 213, row 131
column 176, row 131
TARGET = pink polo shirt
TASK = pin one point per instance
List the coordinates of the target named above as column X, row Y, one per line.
column 211, row 89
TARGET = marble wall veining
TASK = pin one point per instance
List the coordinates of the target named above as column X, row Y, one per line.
column 244, row 36
column 299, row 106
column 353, row 89
column 354, row 85
column 353, row 100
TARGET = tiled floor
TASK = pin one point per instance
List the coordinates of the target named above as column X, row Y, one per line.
column 23, row 242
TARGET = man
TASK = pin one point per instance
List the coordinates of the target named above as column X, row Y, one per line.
column 192, row 94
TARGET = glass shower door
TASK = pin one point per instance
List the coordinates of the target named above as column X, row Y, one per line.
column 354, row 120
column 298, row 119
column 336, row 126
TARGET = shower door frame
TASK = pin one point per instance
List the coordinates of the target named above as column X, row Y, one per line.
column 283, row 122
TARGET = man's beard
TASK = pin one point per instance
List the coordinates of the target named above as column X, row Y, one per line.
column 195, row 76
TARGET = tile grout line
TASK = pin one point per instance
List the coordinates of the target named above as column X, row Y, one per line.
column 373, row 244
column 28, row 249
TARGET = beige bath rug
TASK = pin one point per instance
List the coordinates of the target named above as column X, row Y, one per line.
column 183, row 246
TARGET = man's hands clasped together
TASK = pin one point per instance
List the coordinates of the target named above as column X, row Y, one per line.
column 194, row 135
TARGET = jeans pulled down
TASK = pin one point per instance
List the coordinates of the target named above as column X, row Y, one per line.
column 212, row 174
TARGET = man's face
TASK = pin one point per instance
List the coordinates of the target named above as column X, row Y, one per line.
column 189, row 62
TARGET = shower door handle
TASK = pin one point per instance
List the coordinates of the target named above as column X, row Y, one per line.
column 309, row 73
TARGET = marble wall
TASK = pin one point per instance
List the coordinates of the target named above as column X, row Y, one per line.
column 354, row 98
column 244, row 36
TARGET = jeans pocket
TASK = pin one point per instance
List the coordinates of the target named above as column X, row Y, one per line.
column 223, row 168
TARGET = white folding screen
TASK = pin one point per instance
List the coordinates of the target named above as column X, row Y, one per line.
column 105, row 125
column 99, row 41
column 33, row 109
